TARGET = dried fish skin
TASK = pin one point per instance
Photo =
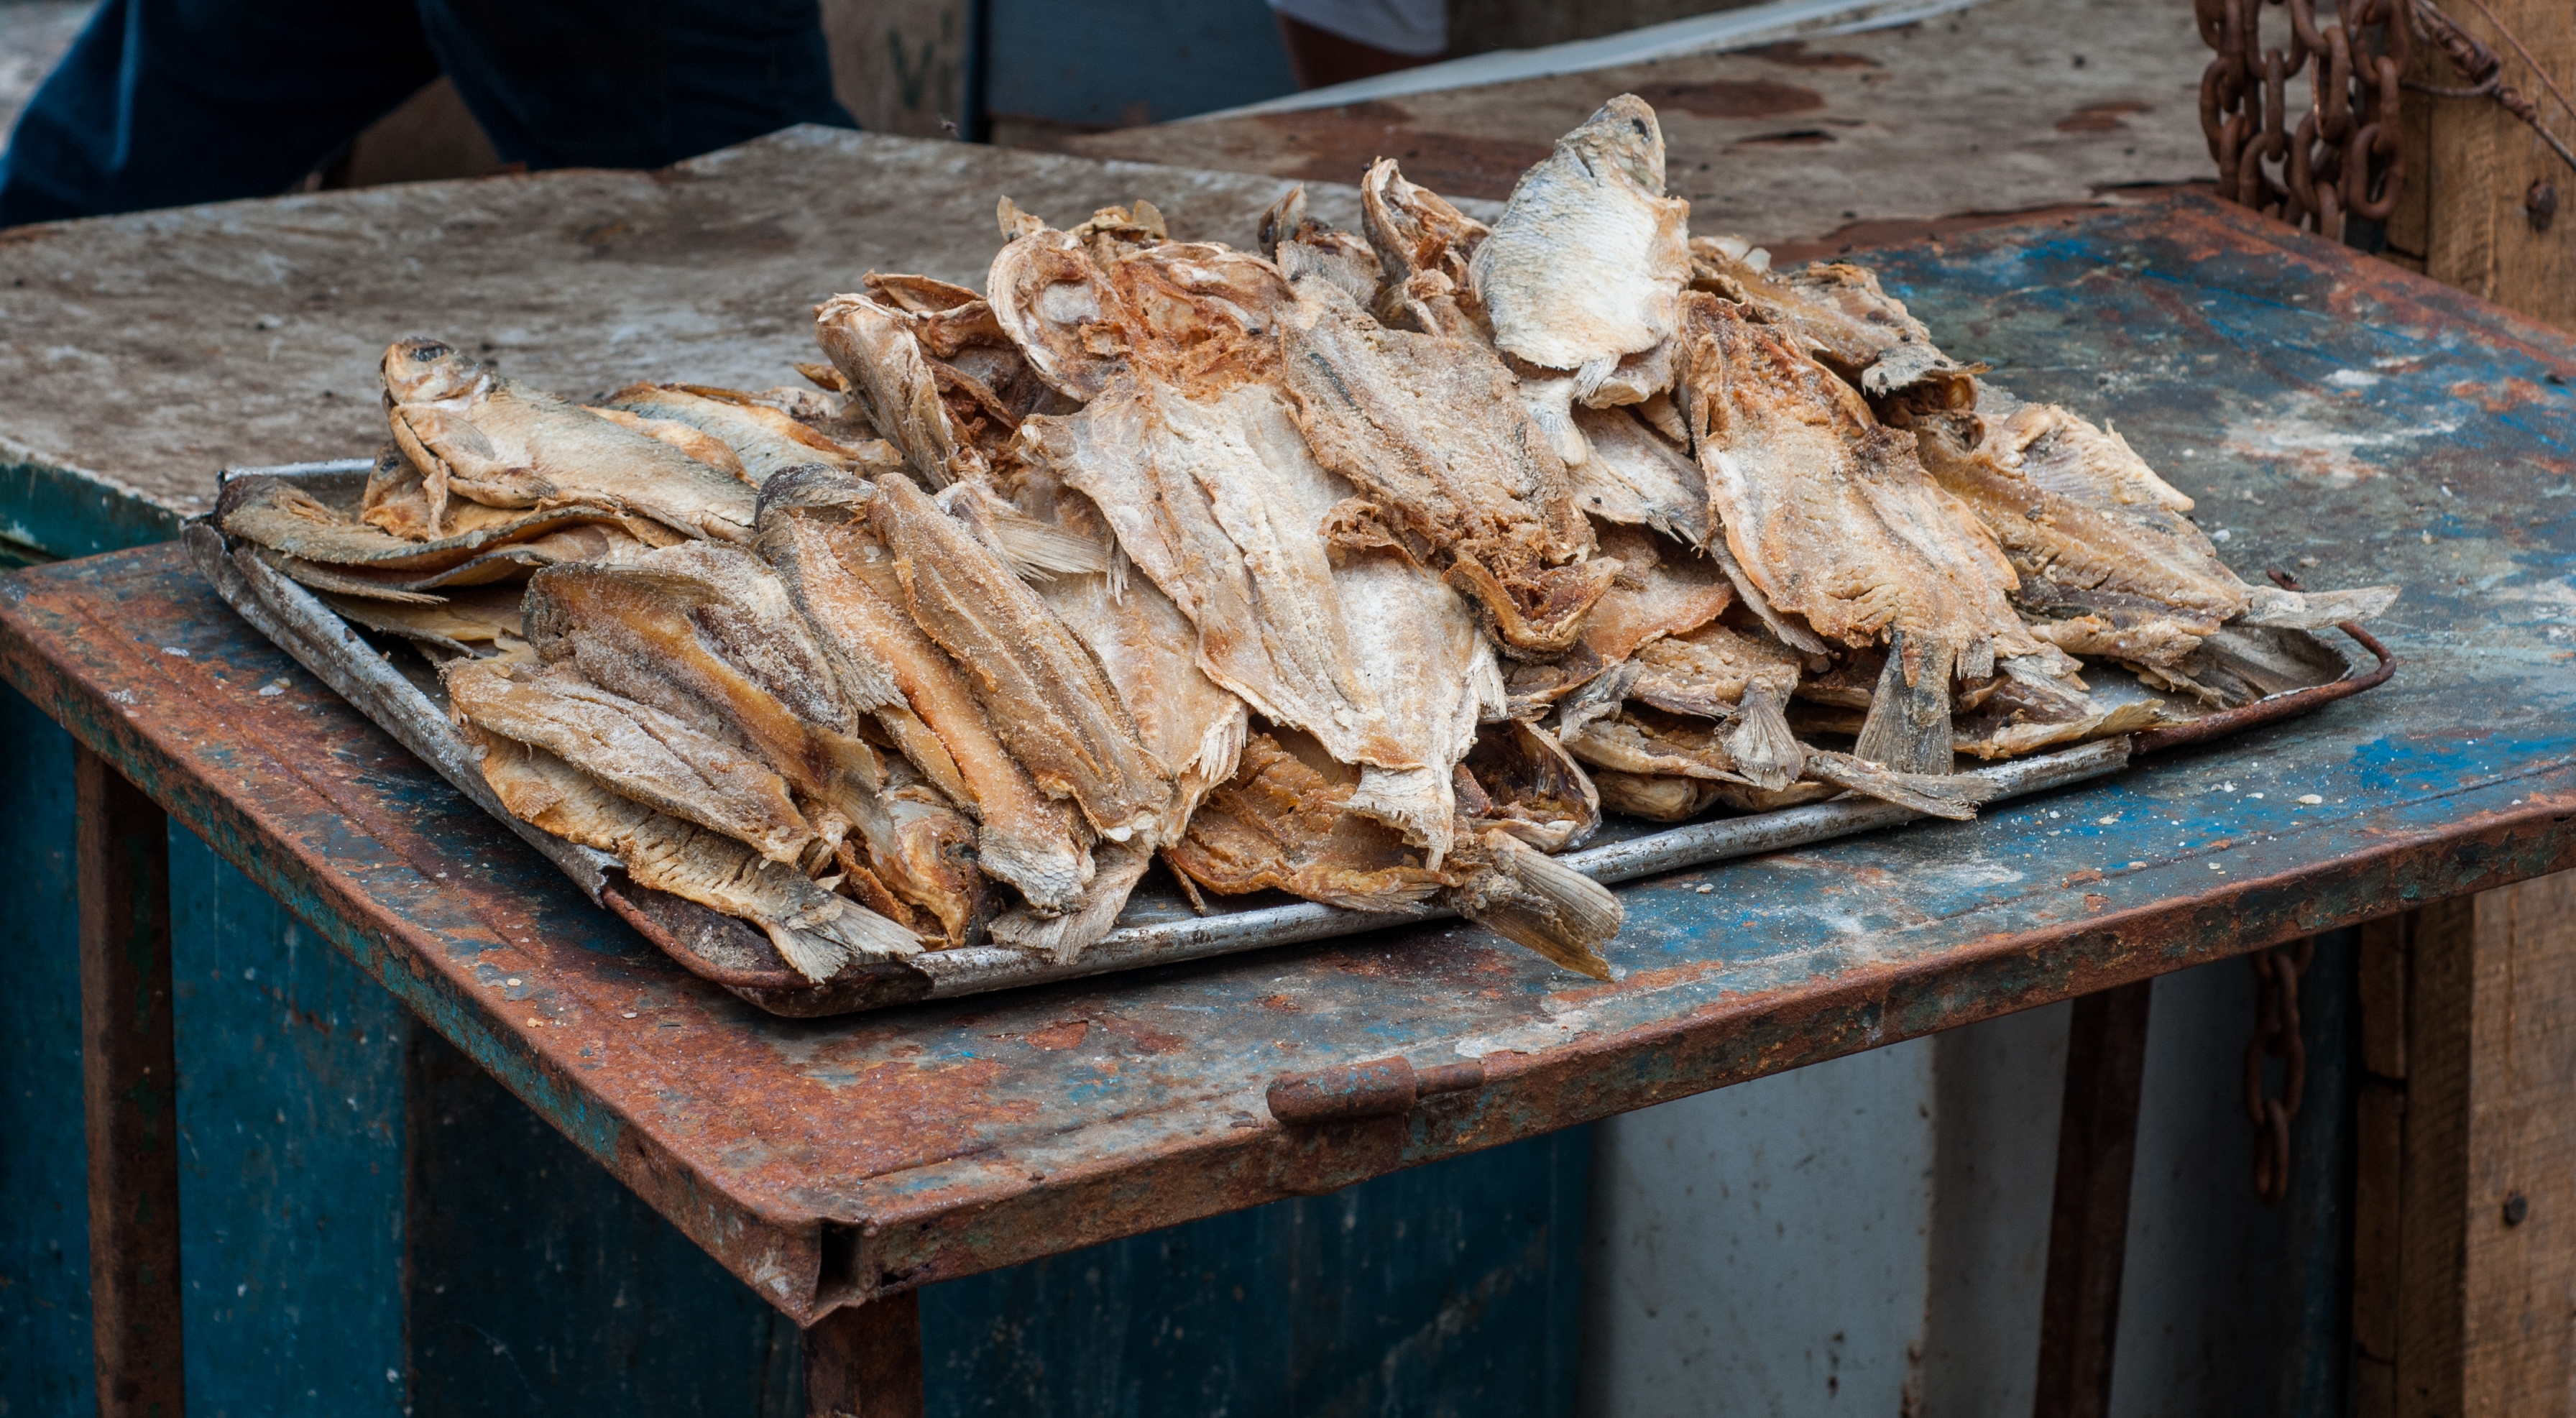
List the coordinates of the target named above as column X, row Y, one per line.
column 1655, row 799
column 1519, row 780
column 1433, row 676
column 282, row 517
column 1216, row 502
column 874, row 348
column 1832, row 519
column 1662, row 589
column 1431, row 430
column 1054, row 304
column 1345, row 260
column 813, row 531
column 1587, row 262
column 1200, row 316
column 477, row 434
column 708, row 634
column 1631, row 475
column 1706, row 671
column 1041, row 689
column 1416, row 234
column 931, row 857
column 762, row 441
column 639, row 751
column 2107, row 562
column 815, row 931
column 1839, row 313
column 1282, row 823
column 452, row 624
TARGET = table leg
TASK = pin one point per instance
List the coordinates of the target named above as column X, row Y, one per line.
column 2088, row 1230
column 864, row 1361
column 128, row 1092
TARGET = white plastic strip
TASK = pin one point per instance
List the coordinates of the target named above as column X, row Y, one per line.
column 1700, row 34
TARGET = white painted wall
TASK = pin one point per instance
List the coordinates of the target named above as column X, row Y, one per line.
column 1871, row 1235
column 1760, row 1249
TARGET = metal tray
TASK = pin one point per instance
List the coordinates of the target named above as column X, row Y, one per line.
column 400, row 692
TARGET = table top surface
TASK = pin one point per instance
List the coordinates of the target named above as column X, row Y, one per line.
column 2317, row 403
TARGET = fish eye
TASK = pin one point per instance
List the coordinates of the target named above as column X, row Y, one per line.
column 426, row 353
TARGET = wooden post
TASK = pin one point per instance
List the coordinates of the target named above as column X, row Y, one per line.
column 900, row 66
column 2464, row 1299
column 2471, row 167
column 2088, row 1229
column 864, row 1361
column 129, row 1092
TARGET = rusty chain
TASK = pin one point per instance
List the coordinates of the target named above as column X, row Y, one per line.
column 2276, row 1035
column 2341, row 158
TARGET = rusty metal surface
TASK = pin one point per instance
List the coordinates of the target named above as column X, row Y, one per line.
column 2319, row 405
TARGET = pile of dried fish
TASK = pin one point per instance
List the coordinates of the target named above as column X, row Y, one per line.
column 1368, row 567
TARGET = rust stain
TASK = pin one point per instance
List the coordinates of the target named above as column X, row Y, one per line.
column 1334, row 144
column 2081, row 877
column 1058, row 1036
column 1793, row 53
column 2101, row 117
column 2503, row 396
column 1732, row 98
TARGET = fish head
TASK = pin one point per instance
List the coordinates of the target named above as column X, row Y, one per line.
column 424, row 371
column 1622, row 136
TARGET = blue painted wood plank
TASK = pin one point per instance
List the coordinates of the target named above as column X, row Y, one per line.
column 291, row 1157
column 1449, row 1289
column 44, row 1190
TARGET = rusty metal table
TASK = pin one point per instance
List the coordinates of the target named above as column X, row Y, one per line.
column 2320, row 405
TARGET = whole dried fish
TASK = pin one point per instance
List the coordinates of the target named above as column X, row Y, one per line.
column 1039, row 687
column 1832, row 519
column 285, row 518
column 876, row 350
column 1423, row 247
column 1430, row 430
column 813, row 531
column 763, row 441
column 471, row 432
column 815, row 931
column 1587, row 263
column 2108, row 563
column 639, row 751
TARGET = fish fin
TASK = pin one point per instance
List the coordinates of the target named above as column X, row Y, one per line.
column 1066, row 936
column 1951, row 795
column 1536, row 901
column 1765, row 751
column 1908, row 727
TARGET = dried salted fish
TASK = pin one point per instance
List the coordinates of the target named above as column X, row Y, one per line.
column 815, row 931
column 763, row 441
column 1039, row 687
column 1523, row 782
column 1430, row 430
column 1284, row 822
column 1633, row 475
column 476, row 434
column 1344, row 259
column 1662, row 589
column 1050, row 298
column 1587, row 263
column 648, row 755
column 1706, row 671
column 876, row 350
column 284, row 518
column 1839, row 313
column 1423, row 246
column 2108, row 563
column 452, row 624
column 812, row 530
column 1833, row 520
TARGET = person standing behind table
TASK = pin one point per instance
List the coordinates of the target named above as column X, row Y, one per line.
column 1336, row 41
column 161, row 103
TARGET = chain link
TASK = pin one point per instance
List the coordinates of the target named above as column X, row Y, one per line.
column 2276, row 1035
column 2341, row 160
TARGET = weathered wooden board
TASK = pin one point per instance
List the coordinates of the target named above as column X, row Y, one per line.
column 2011, row 105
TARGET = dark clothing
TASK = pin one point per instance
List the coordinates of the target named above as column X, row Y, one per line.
column 166, row 102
